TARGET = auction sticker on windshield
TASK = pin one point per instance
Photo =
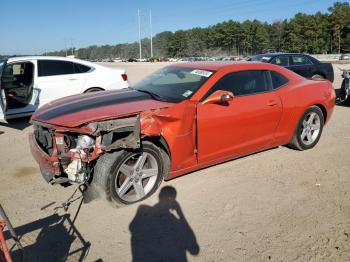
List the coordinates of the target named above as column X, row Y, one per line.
column 187, row 93
column 201, row 73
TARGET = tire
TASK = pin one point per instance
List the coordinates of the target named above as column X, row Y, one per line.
column 308, row 131
column 317, row 76
column 94, row 89
column 121, row 189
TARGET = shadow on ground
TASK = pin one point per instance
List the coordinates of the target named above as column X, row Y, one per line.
column 53, row 238
column 161, row 232
column 19, row 123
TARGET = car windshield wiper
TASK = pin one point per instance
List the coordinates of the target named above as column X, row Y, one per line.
column 153, row 95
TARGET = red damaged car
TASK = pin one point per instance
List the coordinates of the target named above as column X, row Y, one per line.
column 182, row 118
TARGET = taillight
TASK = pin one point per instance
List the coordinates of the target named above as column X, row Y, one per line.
column 125, row 77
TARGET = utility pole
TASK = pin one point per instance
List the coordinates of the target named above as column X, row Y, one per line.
column 138, row 15
column 150, row 23
column 71, row 43
column 65, row 45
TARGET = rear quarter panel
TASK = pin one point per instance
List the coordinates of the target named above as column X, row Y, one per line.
column 105, row 78
column 327, row 70
column 296, row 98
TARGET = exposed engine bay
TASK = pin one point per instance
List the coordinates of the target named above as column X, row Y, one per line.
column 83, row 146
column 76, row 152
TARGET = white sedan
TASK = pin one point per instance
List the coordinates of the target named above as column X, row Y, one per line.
column 32, row 81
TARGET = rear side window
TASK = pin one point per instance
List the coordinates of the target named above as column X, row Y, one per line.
column 280, row 60
column 79, row 68
column 278, row 80
column 55, row 67
column 243, row 83
column 300, row 60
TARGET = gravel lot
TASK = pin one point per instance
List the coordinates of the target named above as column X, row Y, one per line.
column 278, row 205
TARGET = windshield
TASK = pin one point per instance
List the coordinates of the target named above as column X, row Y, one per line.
column 259, row 58
column 173, row 84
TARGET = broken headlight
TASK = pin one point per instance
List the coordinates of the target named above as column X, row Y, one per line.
column 85, row 141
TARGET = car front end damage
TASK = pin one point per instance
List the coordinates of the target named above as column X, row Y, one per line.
column 68, row 155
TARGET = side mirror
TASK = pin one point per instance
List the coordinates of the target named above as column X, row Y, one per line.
column 219, row 96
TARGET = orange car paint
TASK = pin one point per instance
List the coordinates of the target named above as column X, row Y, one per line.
column 225, row 133
column 200, row 134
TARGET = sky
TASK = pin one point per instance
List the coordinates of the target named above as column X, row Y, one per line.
column 38, row 26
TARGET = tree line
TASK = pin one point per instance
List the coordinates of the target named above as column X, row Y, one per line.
column 320, row 33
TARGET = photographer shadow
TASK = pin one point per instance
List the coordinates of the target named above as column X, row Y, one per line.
column 161, row 232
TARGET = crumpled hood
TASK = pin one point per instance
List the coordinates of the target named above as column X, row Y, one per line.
column 80, row 109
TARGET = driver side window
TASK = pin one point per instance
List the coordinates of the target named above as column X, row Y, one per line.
column 243, row 83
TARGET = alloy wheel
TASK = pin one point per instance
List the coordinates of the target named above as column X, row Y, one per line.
column 310, row 129
column 136, row 177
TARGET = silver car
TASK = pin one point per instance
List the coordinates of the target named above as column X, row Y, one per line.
column 344, row 57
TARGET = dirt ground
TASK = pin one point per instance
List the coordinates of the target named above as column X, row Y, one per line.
column 278, row 205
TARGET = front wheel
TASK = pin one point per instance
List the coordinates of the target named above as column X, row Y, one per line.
column 128, row 177
column 309, row 129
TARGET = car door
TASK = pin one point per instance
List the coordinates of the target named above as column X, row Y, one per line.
column 58, row 79
column 3, row 101
column 2, row 105
column 301, row 65
column 243, row 125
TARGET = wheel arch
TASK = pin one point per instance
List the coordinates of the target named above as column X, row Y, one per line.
column 321, row 74
column 160, row 142
column 87, row 90
column 324, row 111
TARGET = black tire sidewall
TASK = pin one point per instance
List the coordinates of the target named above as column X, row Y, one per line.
column 318, row 111
column 147, row 147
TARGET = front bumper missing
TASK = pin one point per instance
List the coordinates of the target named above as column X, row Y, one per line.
column 49, row 165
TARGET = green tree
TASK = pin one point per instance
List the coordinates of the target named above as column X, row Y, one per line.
column 339, row 19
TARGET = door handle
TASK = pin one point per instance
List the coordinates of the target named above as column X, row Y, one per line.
column 73, row 79
column 272, row 103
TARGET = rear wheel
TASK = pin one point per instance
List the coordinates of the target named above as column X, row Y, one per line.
column 317, row 76
column 309, row 129
column 94, row 89
column 128, row 177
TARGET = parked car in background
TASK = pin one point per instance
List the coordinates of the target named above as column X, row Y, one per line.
column 132, row 59
column 271, row 51
column 181, row 118
column 302, row 64
column 30, row 82
column 344, row 57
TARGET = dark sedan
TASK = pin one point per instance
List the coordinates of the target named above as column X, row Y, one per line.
column 302, row 64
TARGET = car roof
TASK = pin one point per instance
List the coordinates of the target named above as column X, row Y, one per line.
column 239, row 66
column 277, row 54
column 216, row 66
column 60, row 58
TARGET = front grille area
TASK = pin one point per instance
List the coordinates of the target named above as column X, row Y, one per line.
column 44, row 138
